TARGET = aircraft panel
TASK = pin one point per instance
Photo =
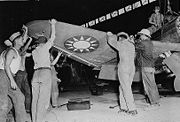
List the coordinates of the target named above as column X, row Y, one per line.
column 85, row 45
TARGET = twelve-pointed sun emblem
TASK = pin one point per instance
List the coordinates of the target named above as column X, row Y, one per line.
column 81, row 44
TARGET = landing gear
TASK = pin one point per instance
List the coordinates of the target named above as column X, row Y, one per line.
column 93, row 87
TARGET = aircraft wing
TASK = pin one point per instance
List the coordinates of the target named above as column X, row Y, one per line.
column 168, row 37
column 161, row 47
column 84, row 45
column 173, row 62
column 90, row 46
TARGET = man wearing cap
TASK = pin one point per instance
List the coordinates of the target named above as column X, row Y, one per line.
column 156, row 20
column 126, row 70
column 144, row 49
column 21, row 75
column 41, row 82
column 8, row 86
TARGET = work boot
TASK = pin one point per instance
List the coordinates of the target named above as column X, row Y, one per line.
column 122, row 111
column 152, row 107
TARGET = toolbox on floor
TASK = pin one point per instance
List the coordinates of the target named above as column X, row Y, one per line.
column 78, row 104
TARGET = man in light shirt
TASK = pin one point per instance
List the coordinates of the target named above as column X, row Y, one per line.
column 41, row 82
column 126, row 70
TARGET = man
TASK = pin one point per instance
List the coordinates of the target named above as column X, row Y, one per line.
column 156, row 20
column 41, row 82
column 126, row 70
column 55, row 80
column 21, row 77
column 8, row 86
column 144, row 48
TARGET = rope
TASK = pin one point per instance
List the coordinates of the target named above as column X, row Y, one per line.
column 164, row 13
column 161, row 18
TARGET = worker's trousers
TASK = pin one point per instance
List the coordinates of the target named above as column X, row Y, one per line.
column 126, row 98
column 16, row 98
column 41, row 89
column 150, row 86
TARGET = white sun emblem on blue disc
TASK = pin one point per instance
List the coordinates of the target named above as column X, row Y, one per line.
column 81, row 44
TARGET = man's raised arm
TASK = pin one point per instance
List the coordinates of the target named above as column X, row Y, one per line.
column 112, row 40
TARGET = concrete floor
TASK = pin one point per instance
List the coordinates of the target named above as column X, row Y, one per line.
column 100, row 112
